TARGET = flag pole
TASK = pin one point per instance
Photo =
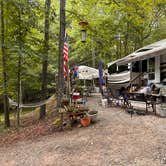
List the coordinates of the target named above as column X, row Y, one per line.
column 68, row 81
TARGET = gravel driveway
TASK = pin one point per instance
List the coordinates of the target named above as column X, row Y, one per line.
column 115, row 140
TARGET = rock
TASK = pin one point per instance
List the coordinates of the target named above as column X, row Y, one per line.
column 163, row 160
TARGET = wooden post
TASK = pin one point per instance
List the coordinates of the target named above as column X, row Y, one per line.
column 61, row 112
column 61, row 121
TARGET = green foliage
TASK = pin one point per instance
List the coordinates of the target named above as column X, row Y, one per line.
column 115, row 29
column 132, row 19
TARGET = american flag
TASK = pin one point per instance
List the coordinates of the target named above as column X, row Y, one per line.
column 65, row 56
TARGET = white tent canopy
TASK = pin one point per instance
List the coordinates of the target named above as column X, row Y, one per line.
column 87, row 73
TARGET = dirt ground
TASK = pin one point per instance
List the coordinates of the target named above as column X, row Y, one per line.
column 115, row 140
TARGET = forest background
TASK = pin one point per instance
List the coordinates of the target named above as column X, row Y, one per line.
column 115, row 29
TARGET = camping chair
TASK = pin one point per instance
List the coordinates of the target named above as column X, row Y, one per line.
column 150, row 103
column 125, row 101
column 124, row 96
column 114, row 100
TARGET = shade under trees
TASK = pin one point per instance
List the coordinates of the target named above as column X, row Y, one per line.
column 115, row 29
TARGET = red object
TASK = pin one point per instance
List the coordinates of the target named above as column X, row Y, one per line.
column 65, row 57
column 76, row 96
column 83, row 23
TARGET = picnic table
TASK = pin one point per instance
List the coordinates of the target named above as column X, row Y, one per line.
column 151, row 100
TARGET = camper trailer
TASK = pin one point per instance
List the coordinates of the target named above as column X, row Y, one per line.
column 144, row 66
column 148, row 64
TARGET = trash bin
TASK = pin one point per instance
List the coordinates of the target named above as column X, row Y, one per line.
column 163, row 107
column 163, row 110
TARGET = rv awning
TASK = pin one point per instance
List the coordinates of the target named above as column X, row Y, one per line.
column 155, row 49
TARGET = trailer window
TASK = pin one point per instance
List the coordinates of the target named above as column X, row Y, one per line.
column 135, row 66
column 122, row 68
column 151, row 68
column 144, row 66
column 112, row 69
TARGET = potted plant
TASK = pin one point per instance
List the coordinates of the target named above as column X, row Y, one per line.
column 70, row 108
column 85, row 121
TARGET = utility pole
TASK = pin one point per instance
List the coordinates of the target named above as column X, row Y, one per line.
column 93, row 55
column 93, row 61
column 120, row 46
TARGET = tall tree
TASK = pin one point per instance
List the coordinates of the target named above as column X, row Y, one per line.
column 61, row 44
column 4, row 74
column 45, row 58
column 19, row 64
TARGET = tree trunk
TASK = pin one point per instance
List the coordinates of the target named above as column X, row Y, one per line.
column 18, row 87
column 4, row 74
column 45, row 58
column 61, row 44
column 19, row 69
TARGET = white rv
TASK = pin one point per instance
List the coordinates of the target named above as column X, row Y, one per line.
column 144, row 66
column 150, row 61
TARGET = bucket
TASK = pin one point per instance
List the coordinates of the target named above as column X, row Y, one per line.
column 93, row 115
column 163, row 110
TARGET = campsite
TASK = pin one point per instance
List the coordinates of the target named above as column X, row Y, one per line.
column 83, row 83
column 115, row 139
